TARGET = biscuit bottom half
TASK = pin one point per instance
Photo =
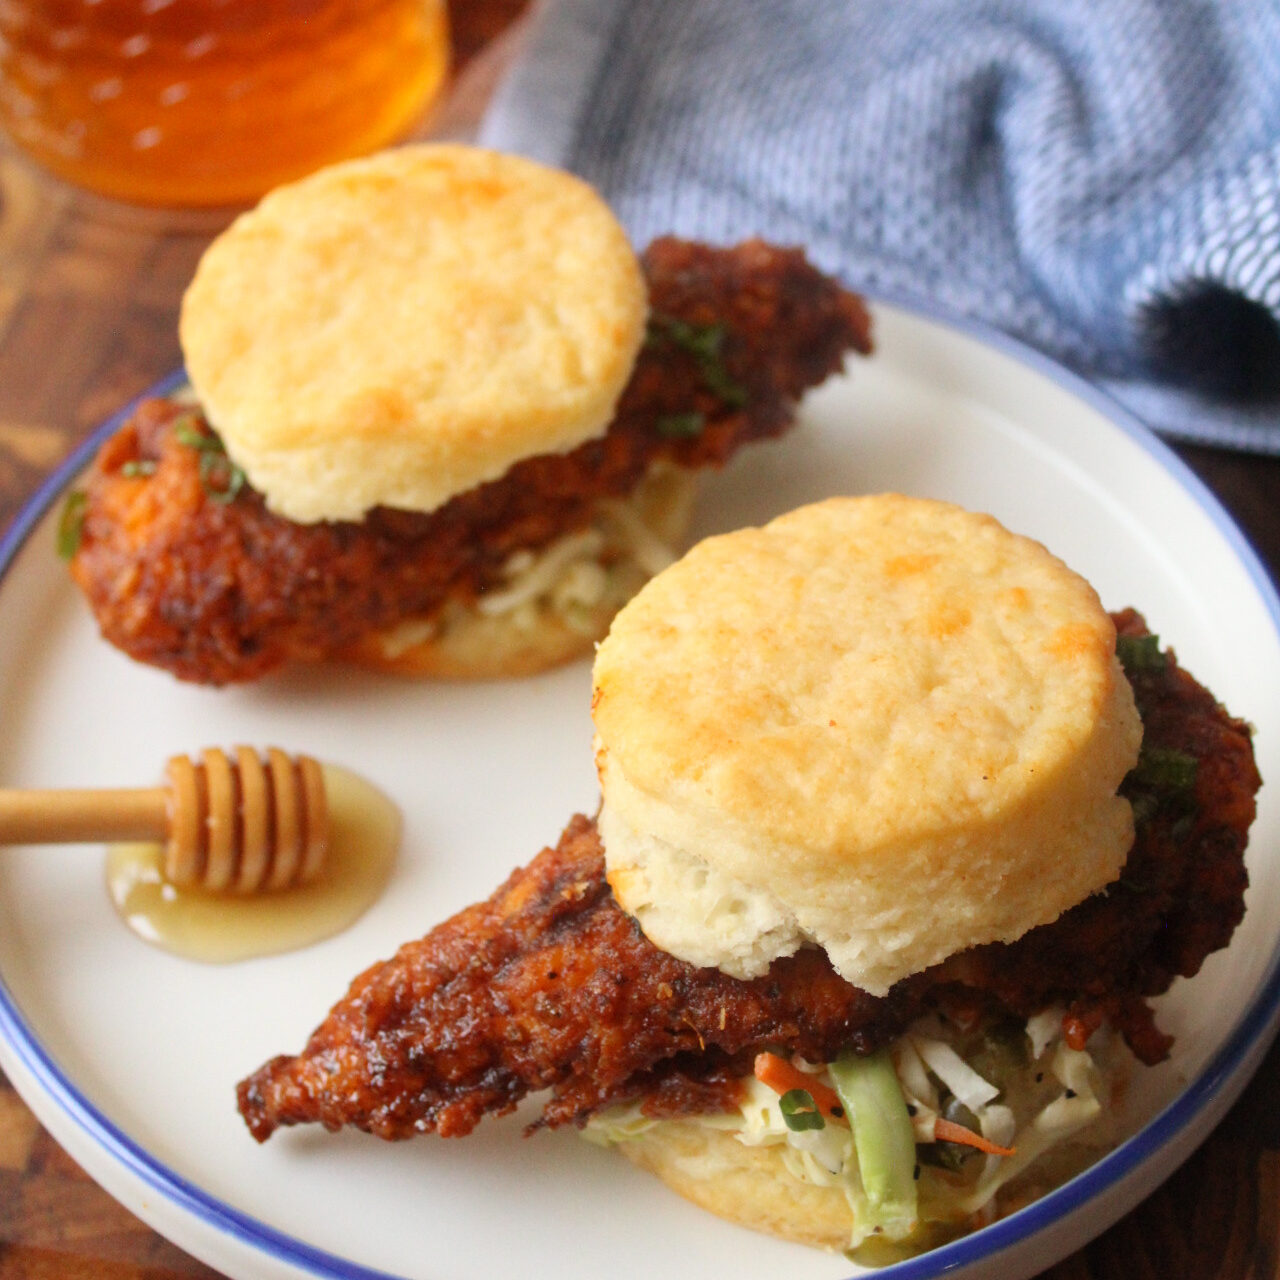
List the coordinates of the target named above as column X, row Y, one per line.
column 1057, row 1109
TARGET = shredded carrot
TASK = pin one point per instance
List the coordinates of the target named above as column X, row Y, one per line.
column 949, row 1131
column 782, row 1077
column 1078, row 1027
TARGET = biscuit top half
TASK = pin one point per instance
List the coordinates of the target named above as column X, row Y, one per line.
column 398, row 329
column 883, row 725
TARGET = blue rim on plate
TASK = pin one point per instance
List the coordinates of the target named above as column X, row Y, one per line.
column 1250, row 1034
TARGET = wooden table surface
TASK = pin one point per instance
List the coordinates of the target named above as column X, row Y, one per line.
column 88, row 301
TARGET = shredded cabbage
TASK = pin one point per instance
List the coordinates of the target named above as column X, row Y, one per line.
column 650, row 552
column 533, row 576
column 580, row 579
column 954, row 1072
column 1043, row 1028
column 1033, row 1093
column 568, row 573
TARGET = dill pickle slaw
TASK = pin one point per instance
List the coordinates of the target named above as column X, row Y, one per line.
column 581, row 578
column 1017, row 1086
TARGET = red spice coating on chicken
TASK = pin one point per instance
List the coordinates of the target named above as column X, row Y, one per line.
column 222, row 591
column 548, row 985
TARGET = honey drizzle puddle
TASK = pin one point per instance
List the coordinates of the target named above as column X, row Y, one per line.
column 219, row 928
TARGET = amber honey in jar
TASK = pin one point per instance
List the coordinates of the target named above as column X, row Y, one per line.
column 210, row 102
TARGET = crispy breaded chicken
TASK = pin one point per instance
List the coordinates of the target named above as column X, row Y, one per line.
column 186, row 569
column 548, row 985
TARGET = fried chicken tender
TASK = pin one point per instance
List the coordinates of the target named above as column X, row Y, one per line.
column 548, row 985
column 185, row 571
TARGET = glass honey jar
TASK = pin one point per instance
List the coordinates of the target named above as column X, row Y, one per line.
column 202, row 103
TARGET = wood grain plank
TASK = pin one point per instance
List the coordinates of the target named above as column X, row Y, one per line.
column 31, row 210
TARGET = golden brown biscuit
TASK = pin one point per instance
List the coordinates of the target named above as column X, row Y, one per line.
column 749, row 1185
column 884, row 725
column 398, row 329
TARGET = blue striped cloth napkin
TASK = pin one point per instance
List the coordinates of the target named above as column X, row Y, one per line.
column 1099, row 178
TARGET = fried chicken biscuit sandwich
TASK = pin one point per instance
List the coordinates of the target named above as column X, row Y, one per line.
column 443, row 421
column 900, row 831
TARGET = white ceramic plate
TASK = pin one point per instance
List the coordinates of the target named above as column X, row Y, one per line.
column 130, row 1056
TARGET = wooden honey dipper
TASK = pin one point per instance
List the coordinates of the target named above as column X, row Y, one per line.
column 230, row 826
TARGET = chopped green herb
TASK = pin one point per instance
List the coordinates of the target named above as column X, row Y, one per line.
column 1165, row 769
column 721, row 383
column 702, row 341
column 1140, row 653
column 221, row 478
column 187, row 431
column 800, row 1111
column 681, row 426
column 705, row 343
column 1162, row 782
column 138, row 467
column 71, row 523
